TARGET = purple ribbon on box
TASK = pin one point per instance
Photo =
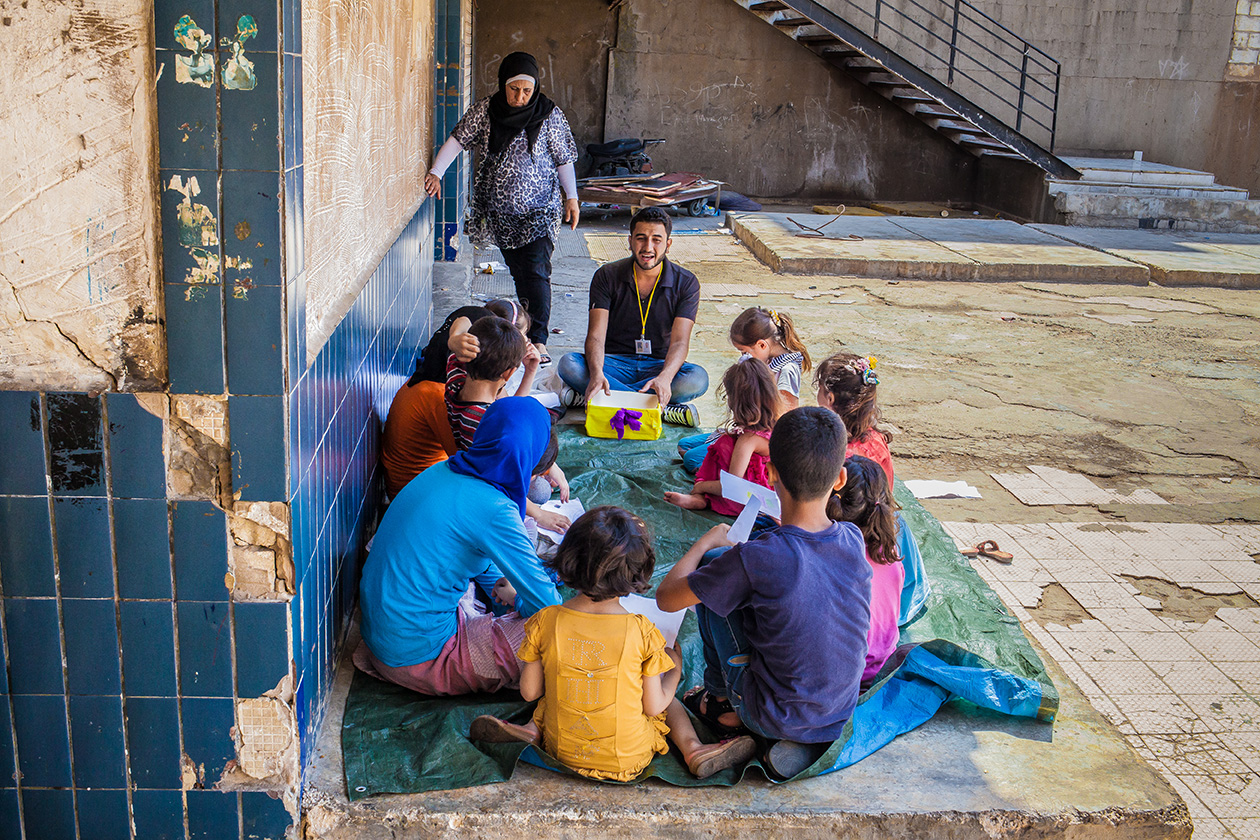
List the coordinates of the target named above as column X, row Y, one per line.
column 625, row 417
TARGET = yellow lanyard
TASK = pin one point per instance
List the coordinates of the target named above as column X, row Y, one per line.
column 643, row 315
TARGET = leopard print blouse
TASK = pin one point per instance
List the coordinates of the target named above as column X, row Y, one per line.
column 516, row 195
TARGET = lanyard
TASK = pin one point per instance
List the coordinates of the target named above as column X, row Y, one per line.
column 643, row 315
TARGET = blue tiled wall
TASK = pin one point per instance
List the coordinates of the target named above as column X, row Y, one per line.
column 452, row 79
column 101, row 571
column 336, row 409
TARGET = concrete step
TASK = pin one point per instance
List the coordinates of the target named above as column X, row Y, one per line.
column 1146, row 172
column 962, row 776
column 1158, row 212
column 1213, row 192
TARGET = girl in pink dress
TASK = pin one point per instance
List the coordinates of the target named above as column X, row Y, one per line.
column 752, row 396
column 846, row 385
column 867, row 502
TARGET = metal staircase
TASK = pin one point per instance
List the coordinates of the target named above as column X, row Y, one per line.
column 944, row 61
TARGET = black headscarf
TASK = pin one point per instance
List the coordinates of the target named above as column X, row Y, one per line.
column 505, row 121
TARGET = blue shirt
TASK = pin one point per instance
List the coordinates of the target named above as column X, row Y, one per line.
column 804, row 600
column 443, row 530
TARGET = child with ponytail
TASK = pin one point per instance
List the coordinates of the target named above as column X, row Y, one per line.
column 867, row 502
column 768, row 335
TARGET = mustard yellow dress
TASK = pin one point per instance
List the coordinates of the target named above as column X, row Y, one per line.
column 591, row 712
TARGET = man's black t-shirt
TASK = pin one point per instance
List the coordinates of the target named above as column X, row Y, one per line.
column 677, row 295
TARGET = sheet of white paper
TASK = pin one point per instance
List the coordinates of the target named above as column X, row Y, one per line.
column 740, row 490
column 572, row 509
column 932, row 489
column 742, row 529
column 667, row 623
column 547, row 398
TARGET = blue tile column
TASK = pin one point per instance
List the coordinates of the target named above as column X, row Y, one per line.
column 452, row 79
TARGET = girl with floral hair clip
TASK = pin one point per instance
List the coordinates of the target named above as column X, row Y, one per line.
column 847, row 385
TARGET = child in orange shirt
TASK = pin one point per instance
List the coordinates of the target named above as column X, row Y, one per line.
column 603, row 677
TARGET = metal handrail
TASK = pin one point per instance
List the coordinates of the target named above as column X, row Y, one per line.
column 1005, row 59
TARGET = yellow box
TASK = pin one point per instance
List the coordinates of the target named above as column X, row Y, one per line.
column 602, row 409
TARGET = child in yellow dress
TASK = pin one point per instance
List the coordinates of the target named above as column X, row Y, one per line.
column 603, row 678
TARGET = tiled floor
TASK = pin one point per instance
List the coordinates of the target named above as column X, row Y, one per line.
column 1186, row 693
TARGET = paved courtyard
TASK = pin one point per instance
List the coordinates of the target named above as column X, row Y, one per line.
column 1146, row 588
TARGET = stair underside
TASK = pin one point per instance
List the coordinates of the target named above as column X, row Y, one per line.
column 865, row 66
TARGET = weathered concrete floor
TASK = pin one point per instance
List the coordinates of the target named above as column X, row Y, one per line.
column 997, row 251
column 961, row 775
column 978, row 378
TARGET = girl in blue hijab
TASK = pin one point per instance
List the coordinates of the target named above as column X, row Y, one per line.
column 458, row 523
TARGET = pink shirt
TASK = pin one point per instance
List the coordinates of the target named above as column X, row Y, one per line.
column 718, row 458
column 881, row 640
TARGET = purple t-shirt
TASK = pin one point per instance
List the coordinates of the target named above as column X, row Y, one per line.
column 804, row 598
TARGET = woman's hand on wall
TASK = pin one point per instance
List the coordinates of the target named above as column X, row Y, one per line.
column 433, row 185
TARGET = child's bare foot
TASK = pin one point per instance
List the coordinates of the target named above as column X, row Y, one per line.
column 494, row 731
column 712, row 758
column 687, row 501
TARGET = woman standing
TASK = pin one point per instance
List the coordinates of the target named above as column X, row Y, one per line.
column 525, row 157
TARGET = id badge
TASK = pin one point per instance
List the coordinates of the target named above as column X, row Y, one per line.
column 643, row 346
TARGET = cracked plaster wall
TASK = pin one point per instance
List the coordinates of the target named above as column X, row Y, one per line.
column 79, row 277
column 368, row 101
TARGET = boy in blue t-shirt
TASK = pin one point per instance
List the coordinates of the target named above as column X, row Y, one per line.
column 783, row 617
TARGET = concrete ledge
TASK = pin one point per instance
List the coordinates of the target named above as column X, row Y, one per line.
column 928, row 249
column 1230, row 261
column 960, row 776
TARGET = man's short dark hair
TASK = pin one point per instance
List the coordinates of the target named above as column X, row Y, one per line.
column 502, row 348
column 807, row 451
column 652, row 216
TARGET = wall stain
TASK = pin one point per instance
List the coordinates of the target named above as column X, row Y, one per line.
column 238, row 71
column 75, row 442
column 198, row 232
column 198, row 68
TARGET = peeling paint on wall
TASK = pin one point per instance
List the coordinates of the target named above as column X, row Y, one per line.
column 260, row 560
column 199, row 464
column 198, row 232
column 238, row 72
column 198, row 68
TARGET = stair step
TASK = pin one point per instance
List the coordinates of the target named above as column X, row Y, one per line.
column 1002, row 153
column 841, row 52
column 982, row 142
column 882, row 77
column 1129, row 171
column 818, row 39
column 951, row 124
column 933, row 109
column 793, row 21
column 767, row 6
column 909, row 94
column 1215, row 192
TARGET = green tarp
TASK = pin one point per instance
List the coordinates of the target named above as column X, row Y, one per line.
column 966, row 644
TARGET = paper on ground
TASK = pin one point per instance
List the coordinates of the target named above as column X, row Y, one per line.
column 931, row 489
column 667, row 623
column 742, row 529
column 572, row 509
column 740, row 490
column 547, row 398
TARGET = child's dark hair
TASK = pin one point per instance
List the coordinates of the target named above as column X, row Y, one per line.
column 548, row 458
column 807, row 451
column 751, row 395
column 502, row 348
column 850, row 381
column 607, row 553
column 652, row 216
column 868, row 503
column 757, row 324
column 512, row 312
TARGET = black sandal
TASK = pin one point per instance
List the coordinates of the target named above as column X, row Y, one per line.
column 713, row 710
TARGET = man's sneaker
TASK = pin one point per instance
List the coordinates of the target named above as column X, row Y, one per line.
column 570, row 398
column 682, row 414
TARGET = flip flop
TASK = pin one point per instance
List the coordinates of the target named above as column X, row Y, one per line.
column 990, row 549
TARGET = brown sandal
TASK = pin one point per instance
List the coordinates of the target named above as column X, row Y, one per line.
column 990, row 549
